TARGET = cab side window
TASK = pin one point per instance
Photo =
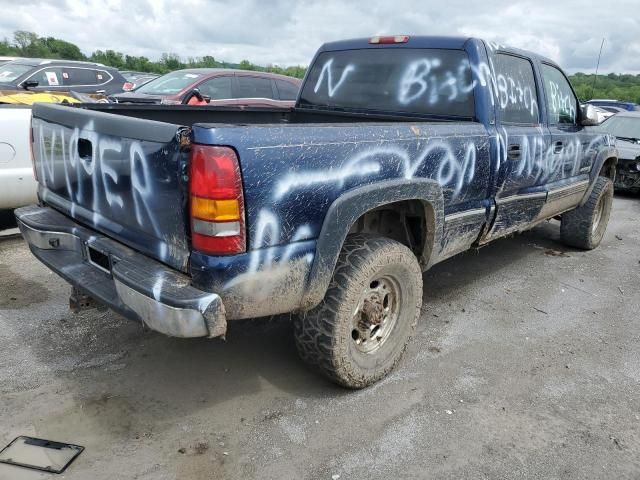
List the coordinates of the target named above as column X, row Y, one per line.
column 517, row 95
column 79, row 76
column 254, row 87
column 217, row 88
column 561, row 102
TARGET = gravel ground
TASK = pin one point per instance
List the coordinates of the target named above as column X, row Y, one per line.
column 526, row 364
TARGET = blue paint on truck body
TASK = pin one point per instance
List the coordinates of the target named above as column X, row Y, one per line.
column 485, row 138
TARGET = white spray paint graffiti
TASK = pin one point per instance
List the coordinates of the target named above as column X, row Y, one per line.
column 427, row 80
column 420, row 78
column 102, row 168
column 327, row 72
column 354, row 168
column 456, row 163
column 365, row 163
column 562, row 103
column 262, row 256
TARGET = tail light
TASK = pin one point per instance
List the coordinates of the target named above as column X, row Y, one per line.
column 128, row 86
column 390, row 39
column 216, row 201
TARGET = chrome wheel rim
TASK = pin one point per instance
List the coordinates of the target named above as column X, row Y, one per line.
column 376, row 314
column 597, row 217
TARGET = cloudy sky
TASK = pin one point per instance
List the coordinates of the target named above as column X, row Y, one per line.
column 287, row 32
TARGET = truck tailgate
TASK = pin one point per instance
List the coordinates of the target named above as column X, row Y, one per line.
column 118, row 175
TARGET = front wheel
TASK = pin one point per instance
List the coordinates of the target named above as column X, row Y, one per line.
column 358, row 333
column 584, row 227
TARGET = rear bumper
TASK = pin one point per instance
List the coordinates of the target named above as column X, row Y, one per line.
column 126, row 281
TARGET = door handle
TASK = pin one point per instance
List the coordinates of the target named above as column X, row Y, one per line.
column 514, row 152
column 558, row 147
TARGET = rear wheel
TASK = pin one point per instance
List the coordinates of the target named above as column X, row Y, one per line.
column 360, row 330
column 585, row 226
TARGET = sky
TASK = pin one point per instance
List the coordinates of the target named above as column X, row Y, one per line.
column 288, row 32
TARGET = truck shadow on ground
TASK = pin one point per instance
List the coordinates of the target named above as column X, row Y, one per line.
column 153, row 375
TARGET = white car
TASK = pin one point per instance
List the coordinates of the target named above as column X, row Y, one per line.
column 4, row 60
column 17, row 184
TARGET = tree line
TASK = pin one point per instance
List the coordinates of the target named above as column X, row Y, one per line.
column 28, row 44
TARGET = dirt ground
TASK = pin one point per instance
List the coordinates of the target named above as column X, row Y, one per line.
column 526, row 364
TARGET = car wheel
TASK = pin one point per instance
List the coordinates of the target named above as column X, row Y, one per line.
column 360, row 330
column 584, row 227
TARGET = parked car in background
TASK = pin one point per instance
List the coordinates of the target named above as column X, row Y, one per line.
column 136, row 79
column 16, row 173
column 602, row 113
column 613, row 110
column 4, row 60
column 60, row 75
column 605, row 103
column 221, row 86
column 625, row 127
column 17, row 184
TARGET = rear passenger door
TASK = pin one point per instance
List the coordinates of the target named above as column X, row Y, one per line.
column 80, row 79
column 572, row 146
column 523, row 140
column 248, row 86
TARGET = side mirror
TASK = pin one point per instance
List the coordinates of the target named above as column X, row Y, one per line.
column 30, row 84
column 588, row 116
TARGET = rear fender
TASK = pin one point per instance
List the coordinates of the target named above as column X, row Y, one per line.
column 349, row 207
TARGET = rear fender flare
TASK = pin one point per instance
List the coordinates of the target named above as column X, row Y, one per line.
column 350, row 206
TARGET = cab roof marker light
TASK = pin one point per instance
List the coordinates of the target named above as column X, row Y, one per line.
column 386, row 40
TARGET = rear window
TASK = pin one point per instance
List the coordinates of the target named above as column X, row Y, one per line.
column 84, row 76
column 170, row 83
column 12, row 71
column 420, row 81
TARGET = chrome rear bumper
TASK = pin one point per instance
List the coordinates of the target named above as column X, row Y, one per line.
column 127, row 281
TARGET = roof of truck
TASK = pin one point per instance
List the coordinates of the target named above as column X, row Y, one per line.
column 426, row 41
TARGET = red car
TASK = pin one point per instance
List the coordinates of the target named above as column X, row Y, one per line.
column 216, row 86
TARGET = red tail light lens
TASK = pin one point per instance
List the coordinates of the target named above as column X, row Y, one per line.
column 390, row 39
column 216, row 202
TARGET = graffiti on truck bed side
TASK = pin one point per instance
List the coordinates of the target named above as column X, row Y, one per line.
column 451, row 162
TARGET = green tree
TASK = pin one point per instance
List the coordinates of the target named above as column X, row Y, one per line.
column 247, row 65
column 61, row 49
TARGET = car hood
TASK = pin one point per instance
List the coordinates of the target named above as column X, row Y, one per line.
column 627, row 150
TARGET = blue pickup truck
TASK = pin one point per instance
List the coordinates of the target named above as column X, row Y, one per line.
column 400, row 152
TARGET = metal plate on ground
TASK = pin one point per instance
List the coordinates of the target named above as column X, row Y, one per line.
column 40, row 454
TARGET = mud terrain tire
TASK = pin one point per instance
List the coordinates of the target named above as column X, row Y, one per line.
column 585, row 226
column 360, row 330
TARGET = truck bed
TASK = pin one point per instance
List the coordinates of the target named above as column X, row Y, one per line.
column 187, row 115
